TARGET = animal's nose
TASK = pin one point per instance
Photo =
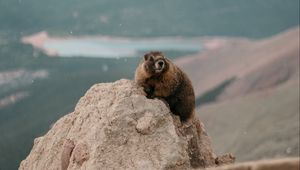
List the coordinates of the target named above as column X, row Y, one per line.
column 161, row 63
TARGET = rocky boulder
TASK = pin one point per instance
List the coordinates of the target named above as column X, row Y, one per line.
column 114, row 126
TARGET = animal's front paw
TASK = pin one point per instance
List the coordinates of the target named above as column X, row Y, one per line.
column 150, row 92
column 150, row 96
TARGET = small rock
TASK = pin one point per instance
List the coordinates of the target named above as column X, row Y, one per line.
column 146, row 124
column 81, row 153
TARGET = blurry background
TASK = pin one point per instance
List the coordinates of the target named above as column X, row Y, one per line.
column 242, row 56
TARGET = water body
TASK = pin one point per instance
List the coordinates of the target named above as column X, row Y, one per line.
column 118, row 48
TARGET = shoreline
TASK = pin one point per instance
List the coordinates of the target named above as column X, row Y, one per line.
column 93, row 46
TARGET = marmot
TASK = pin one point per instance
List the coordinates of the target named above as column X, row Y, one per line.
column 163, row 79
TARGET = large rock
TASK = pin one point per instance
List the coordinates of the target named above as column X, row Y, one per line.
column 114, row 126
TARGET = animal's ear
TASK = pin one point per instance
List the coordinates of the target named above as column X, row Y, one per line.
column 146, row 57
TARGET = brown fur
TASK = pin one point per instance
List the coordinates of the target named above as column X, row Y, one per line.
column 168, row 82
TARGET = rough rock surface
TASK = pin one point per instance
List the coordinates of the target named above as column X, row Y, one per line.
column 279, row 164
column 114, row 126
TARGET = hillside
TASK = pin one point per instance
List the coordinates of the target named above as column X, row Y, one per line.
column 254, row 83
column 244, row 60
column 266, row 123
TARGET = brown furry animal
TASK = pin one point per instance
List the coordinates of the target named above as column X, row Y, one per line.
column 163, row 79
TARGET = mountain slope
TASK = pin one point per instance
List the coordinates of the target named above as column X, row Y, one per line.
column 243, row 59
column 266, row 124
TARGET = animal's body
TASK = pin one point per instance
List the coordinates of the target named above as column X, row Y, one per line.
column 161, row 78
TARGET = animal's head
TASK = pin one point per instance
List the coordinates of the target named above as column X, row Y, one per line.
column 155, row 63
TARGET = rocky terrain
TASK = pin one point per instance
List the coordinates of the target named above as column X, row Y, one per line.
column 114, row 126
column 277, row 164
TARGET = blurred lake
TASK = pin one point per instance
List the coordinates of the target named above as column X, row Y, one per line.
column 117, row 48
